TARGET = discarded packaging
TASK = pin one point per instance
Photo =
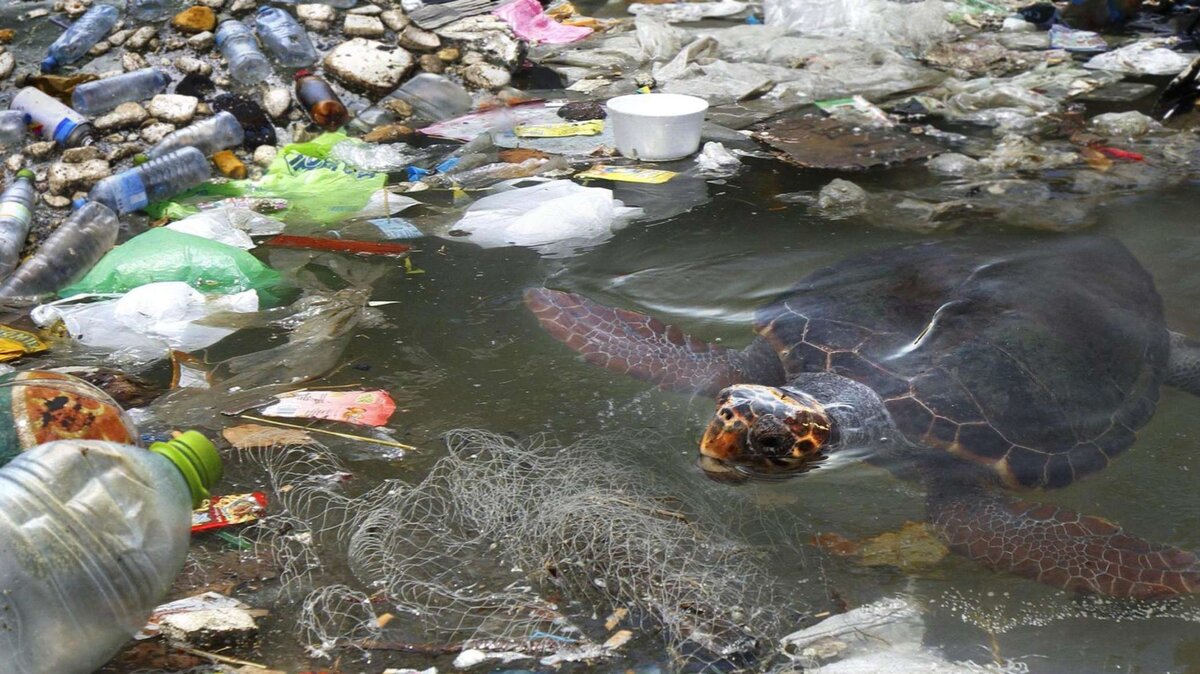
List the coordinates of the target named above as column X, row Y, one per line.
column 220, row 512
column 529, row 22
column 588, row 128
column 38, row 406
column 656, row 127
column 16, row 343
column 1148, row 57
column 627, row 174
column 365, row 408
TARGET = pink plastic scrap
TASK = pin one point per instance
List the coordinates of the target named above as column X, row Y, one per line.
column 530, row 23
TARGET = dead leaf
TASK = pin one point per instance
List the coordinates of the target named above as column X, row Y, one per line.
column 836, row 544
column 616, row 617
column 618, row 639
column 1095, row 159
column 910, row 549
column 257, row 436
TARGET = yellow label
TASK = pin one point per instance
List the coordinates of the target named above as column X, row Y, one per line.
column 591, row 127
column 628, row 174
column 16, row 343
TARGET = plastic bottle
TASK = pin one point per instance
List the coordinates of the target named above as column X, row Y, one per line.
column 14, row 124
column 67, row 254
column 155, row 180
column 52, row 120
column 320, row 101
column 100, row 96
column 431, row 96
column 16, row 212
column 237, row 43
column 38, row 406
column 75, row 41
column 284, row 37
column 210, row 136
column 150, row 10
column 94, row 534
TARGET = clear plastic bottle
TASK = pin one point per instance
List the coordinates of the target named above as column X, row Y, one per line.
column 75, row 41
column 14, row 125
column 320, row 101
column 237, row 43
column 431, row 96
column 210, row 136
column 16, row 212
column 99, row 96
column 94, row 534
column 67, row 254
column 52, row 120
column 155, row 180
column 284, row 37
column 150, row 10
column 39, row 406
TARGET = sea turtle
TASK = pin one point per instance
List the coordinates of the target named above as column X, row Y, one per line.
column 970, row 365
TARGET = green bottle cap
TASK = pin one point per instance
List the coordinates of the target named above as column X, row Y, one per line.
column 196, row 458
column 26, row 174
column 139, row 159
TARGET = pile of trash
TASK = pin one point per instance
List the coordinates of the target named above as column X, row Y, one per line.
column 175, row 171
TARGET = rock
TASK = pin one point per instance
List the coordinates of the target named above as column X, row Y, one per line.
column 399, row 107
column 14, row 162
column 124, row 116
column 357, row 25
column 195, row 19
column 388, row 133
column 100, row 48
column 78, row 155
column 473, row 58
column 131, row 61
column 953, row 164
column 449, row 54
column 140, row 39
column 395, row 19
column 173, row 108
column 190, row 65
column 430, row 63
column 368, row 65
column 7, row 63
column 56, row 201
column 75, row 8
column 488, row 35
column 118, row 38
column 316, row 12
column 172, row 43
column 40, row 150
column 242, row 6
column 120, row 151
column 37, row 13
column 202, row 41
column 264, row 155
column 367, row 10
column 319, row 26
column 418, row 39
column 214, row 4
column 486, row 76
column 276, row 102
column 1131, row 124
column 69, row 177
column 156, row 132
column 210, row 629
column 842, row 199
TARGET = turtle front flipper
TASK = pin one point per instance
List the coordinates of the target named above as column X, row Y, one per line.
column 1058, row 546
column 646, row 348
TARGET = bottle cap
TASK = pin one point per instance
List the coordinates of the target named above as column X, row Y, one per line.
column 26, row 174
column 197, row 460
column 49, row 64
column 79, row 203
column 303, row 72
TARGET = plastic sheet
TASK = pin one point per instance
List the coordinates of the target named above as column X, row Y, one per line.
column 529, row 22
column 881, row 21
column 1148, row 57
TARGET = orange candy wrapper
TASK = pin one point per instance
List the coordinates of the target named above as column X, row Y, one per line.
column 226, row 511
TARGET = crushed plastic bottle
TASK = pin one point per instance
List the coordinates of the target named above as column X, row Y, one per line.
column 16, row 212
column 284, row 37
column 75, row 41
column 247, row 63
column 432, row 97
column 67, row 254
column 320, row 101
column 52, row 120
column 210, row 136
column 14, row 125
column 155, row 180
column 100, row 96
column 150, row 10
column 95, row 534
column 39, row 406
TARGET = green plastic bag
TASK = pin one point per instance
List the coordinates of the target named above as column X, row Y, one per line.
column 166, row 255
column 316, row 188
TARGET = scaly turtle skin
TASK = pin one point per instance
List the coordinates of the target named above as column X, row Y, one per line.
column 968, row 365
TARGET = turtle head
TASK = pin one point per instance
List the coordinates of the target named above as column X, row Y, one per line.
column 764, row 432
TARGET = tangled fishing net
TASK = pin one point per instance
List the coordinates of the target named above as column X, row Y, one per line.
column 516, row 547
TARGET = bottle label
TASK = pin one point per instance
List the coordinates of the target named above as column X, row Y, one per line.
column 130, row 192
column 14, row 209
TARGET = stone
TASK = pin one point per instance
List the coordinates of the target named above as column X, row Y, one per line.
column 195, row 19
column 210, row 629
column 172, row 43
column 100, row 48
column 78, row 155
column 242, row 6
column 399, row 107
column 140, row 39
column 319, row 26
column 202, row 41
column 276, row 102
column 190, row 65
column 131, row 61
column 40, row 150
column 56, row 201
column 357, row 25
column 418, row 39
column 395, row 19
column 14, row 162
column 37, row 13
column 265, row 154
column 449, row 54
column 156, row 132
column 431, row 64
column 842, row 199
column 120, row 151
column 316, row 12
column 70, row 177
column 473, row 58
column 7, row 63
column 75, row 8
column 486, row 76
column 388, row 133
column 367, row 10
column 173, row 108
column 118, row 38
column 488, row 35
column 214, row 4
column 368, row 65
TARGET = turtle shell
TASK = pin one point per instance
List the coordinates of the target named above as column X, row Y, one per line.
column 1038, row 360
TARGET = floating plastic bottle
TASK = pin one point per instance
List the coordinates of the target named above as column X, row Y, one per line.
column 431, row 96
column 52, row 120
column 155, row 180
column 237, row 43
column 75, row 41
column 284, row 37
column 320, row 101
column 67, row 254
column 210, row 136
column 94, row 534
column 14, row 126
column 16, row 212
column 150, row 10
column 100, row 96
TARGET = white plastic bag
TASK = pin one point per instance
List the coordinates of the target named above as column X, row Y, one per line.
column 214, row 225
column 879, row 21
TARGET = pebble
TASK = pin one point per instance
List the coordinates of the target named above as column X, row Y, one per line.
column 388, row 133
column 210, row 629
column 173, row 108
column 69, row 177
column 264, row 155
column 56, row 201
column 276, row 102
column 418, row 39
column 242, row 6
column 120, row 151
column 118, row 38
column 368, row 65
column 367, row 10
column 14, row 162
column 173, row 43
column 74, row 8
column 202, row 41
column 430, row 63
column 140, row 39
column 319, row 26
column 131, row 61
column 190, row 65
column 156, row 132
column 486, row 76
column 488, row 35
column 215, row 4
column 40, row 150
column 364, row 26
column 449, row 54
column 100, row 48
column 316, row 12
column 78, row 155
column 37, row 13
column 7, row 63
column 195, row 19
column 395, row 19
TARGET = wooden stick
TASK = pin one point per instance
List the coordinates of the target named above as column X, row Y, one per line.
column 220, row 658
column 347, row 436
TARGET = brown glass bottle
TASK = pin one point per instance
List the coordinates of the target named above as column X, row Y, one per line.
column 317, row 98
